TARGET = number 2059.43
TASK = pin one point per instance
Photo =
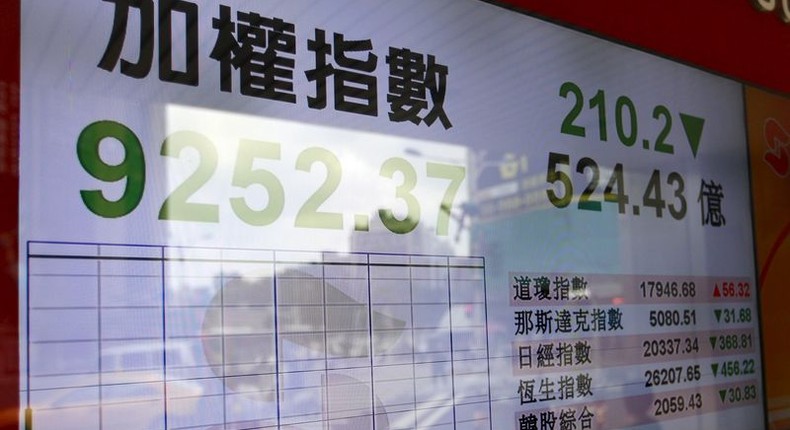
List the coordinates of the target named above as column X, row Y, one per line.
column 246, row 173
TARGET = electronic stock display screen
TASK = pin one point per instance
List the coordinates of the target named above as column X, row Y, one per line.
column 387, row 215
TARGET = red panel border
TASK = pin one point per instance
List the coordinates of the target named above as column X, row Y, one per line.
column 727, row 37
column 9, row 214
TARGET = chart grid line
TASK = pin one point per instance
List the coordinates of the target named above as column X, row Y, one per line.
column 370, row 348
column 404, row 327
column 277, row 396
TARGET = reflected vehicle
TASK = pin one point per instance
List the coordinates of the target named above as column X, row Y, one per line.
column 132, row 393
column 137, row 405
column 321, row 348
column 317, row 321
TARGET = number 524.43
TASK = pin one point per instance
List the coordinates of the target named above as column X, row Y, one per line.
column 560, row 189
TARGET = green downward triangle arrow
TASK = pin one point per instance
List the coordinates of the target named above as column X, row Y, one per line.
column 693, row 127
column 713, row 342
column 715, row 368
column 718, row 314
column 722, row 394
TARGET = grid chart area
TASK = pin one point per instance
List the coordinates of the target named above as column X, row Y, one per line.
column 149, row 337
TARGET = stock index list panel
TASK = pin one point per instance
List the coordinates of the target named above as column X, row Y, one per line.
column 389, row 215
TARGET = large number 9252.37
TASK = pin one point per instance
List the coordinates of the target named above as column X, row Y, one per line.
column 179, row 205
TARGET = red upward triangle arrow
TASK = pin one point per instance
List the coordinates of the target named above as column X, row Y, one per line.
column 716, row 292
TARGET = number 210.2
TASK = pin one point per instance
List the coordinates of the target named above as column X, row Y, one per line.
column 177, row 206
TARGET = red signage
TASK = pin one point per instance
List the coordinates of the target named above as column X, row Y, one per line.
column 9, row 216
column 747, row 40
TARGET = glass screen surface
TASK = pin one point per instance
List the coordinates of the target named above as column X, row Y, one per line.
column 401, row 215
